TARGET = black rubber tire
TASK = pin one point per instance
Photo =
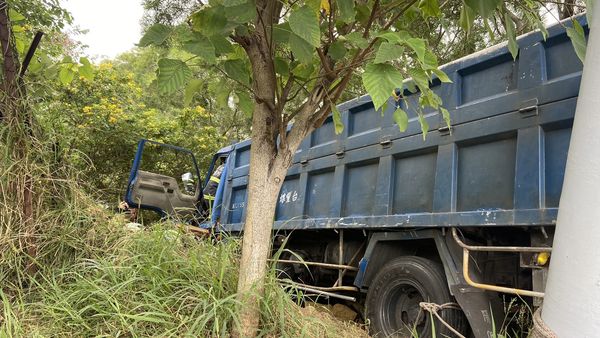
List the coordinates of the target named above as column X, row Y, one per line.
column 393, row 296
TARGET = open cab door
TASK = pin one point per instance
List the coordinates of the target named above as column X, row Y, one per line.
column 166, row 179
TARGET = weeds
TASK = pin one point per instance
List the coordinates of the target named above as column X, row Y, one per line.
column 156, row 283
column 69, row 268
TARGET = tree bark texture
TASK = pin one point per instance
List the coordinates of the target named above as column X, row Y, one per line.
column 13, row 112
column 271, row 154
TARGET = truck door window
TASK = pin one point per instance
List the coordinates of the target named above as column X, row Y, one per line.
column 171, row 162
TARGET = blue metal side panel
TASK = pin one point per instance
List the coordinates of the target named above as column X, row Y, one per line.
column 218, row 206
column 502, row 164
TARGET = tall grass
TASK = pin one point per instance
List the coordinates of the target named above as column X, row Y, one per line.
column 158, row 282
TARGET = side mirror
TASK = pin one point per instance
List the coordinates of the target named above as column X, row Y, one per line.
column 187, row 178
column 188, row 183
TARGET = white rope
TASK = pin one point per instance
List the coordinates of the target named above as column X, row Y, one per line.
column 433, row 308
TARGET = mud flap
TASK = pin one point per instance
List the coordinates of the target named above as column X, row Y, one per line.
column 480, row 307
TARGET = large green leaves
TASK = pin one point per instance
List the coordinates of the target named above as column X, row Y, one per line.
column 430, row 8
column 155, row 35
column 304, row 23
column 513, row 47
column 485, row 8
column 191, row 90
column 337, row 120
column 210, row 20
column 380, row 80
column 467, row 16
column 401, row 119
column 86, row 70
column 337, row 50
column 172, row 75
column 301, row 49
column 237, row 70
column 387, row 52
column 242, row 13
column 577, row 36
column 201, row 47
column 244, row 102
column 66, row 74
column 417, row 45
column 232, row 3
column 346, row 8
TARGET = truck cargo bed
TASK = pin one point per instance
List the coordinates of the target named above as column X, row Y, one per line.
column 501, row 163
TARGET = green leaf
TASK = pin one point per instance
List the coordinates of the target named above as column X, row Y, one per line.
column 302, row 50
column 430, row 8
column 363, row 12
column 281, row 32
column 395, row 37
column 232, row 3
column 401, row 119
column 424, row 125
column 242, row 13
column 577, row 36
column 418, row 45
column 429, row 98
column 172, row 75
column 35, row 66
column 304, row 23
column 411, row 86
column 201, row 47
column 357, row 40
column 540, row 25
column 441, row 75
column 467, row 16
column 66, row 74
column 420, row 78
column 380, row 79
column 15, row 16
column 430, row 60
column 245, row 103
column 221, row 44
column 337, row 120
column 191, row 90
column 281, row 66
column 222, row 96
column 337, row 50
column 485, row 8
column 86, row 70
column 346, row 8
column 388, row 52
column 446, row 116
column 155, row 35
column 304, row 71
column 209, row 20
column 237, row 70
column 513, row 47
column 19, row 43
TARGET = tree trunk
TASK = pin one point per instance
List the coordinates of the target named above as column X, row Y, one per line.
column 13, row 112
column 266, row 178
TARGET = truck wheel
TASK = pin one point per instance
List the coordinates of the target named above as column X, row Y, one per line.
column 395, row 293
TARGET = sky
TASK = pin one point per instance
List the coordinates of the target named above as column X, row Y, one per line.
column 113, row 25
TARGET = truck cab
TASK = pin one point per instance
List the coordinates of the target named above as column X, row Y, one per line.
column 173, row 185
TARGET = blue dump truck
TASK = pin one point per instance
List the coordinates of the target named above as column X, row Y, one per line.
column 385, row 220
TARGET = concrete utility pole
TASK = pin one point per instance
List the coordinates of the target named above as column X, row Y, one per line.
column 572, row 302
